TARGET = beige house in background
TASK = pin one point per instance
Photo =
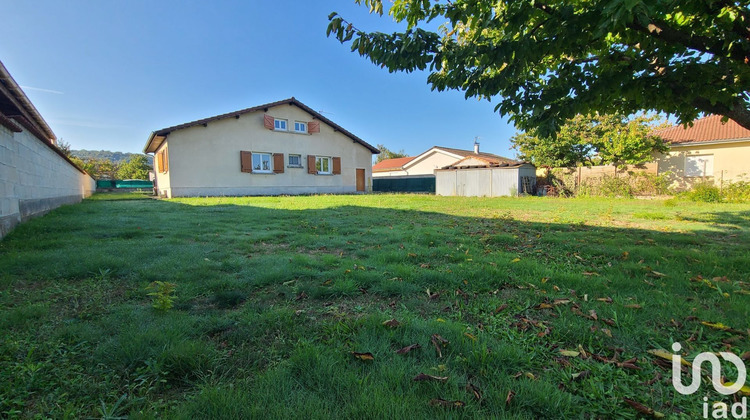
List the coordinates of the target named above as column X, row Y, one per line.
column 282, row 147
column 708, row 151
column 427, row 162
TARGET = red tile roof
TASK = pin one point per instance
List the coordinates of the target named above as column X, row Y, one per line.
column 391, row 164
column 706, row 129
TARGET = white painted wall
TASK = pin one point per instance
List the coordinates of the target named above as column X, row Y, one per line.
column 425, row 164
column 34, row 179
column 205, row 161
column 481, row 182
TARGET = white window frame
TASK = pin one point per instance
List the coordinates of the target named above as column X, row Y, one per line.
column 303, row 125
column 319, row 165
column 293, row 165
column 704, row 164
column 260, row 156
column 277, row 124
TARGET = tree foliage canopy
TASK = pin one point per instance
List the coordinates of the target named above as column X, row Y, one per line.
column 136, row 167
column 547, row 61
column 386, row 153
column 593, row 140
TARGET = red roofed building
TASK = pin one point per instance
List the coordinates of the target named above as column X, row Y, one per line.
column 710, row 150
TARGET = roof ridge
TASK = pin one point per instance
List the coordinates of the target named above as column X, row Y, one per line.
column 291, row 101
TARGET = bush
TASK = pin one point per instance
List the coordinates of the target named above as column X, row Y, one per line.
column 737, row 192
column 705, row 192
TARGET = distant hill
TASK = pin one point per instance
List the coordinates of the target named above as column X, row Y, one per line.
column 116, row 157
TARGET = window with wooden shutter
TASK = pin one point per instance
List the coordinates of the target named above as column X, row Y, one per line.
column 160, row 162
column 278, row 163
column 311, row 165
column 246, row 161
column 268, row 121
column 337, row 166
column 313, row 127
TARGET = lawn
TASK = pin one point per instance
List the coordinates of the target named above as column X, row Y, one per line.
column 285, row 306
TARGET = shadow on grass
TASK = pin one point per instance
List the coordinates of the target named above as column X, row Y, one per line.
column 283, row 295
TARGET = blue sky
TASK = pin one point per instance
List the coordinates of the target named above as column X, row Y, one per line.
column 106, row 73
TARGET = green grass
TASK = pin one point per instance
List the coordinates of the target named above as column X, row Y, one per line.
column 274, row 293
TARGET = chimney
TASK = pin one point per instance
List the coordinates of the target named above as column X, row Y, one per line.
column 476, row 147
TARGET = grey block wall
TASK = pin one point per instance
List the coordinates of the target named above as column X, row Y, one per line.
column 34, row 179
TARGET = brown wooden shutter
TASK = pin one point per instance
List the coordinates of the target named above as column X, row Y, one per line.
column 268, row 121
column 337, row 166
column 278, row 163
column 311, row 169
column 313, row 127
column 160, row 161
column 246, row 161
column 166, row 160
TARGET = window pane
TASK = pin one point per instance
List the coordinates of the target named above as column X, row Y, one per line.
column 256, row 162
column 325, row 165
column 318, row 164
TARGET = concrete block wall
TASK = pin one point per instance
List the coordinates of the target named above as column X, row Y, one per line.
column 34, row 179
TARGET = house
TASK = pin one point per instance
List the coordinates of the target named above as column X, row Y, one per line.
column 35, row 175
column 427, row 162
column 483, row 176
column 708, row 151
column 282, row 147
column 417, row 173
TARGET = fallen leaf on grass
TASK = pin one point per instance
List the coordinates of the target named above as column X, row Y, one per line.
column 509, row 397
column 363, row 356
column 716, row 326
column 438, row 341
column 569, row 353
column 657, row 274
column 560, row 302
column 593, row 315
column 501, row 308
column 327, row 282
column 607, row 332
column 393, row 323
column 470, row 336
column 633, row 306
column 543, row 306
column 432, row 295
column 643, row 409
column 663, row 354
column 425, row 377
column 605, row 299
column 301, row 296
column 745, row 390
column 581, row 375
column 590, row 273
column 515, row 260
column 474, row 391
column 409, row 348
column 439, row 402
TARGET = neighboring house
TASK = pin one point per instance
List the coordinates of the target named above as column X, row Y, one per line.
column 427, row 162
column 708, row 151
column 35, row 176
column 282, row 147
column 485, row 176
column 417, row 173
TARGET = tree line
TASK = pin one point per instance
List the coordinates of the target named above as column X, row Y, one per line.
column 113, row 165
